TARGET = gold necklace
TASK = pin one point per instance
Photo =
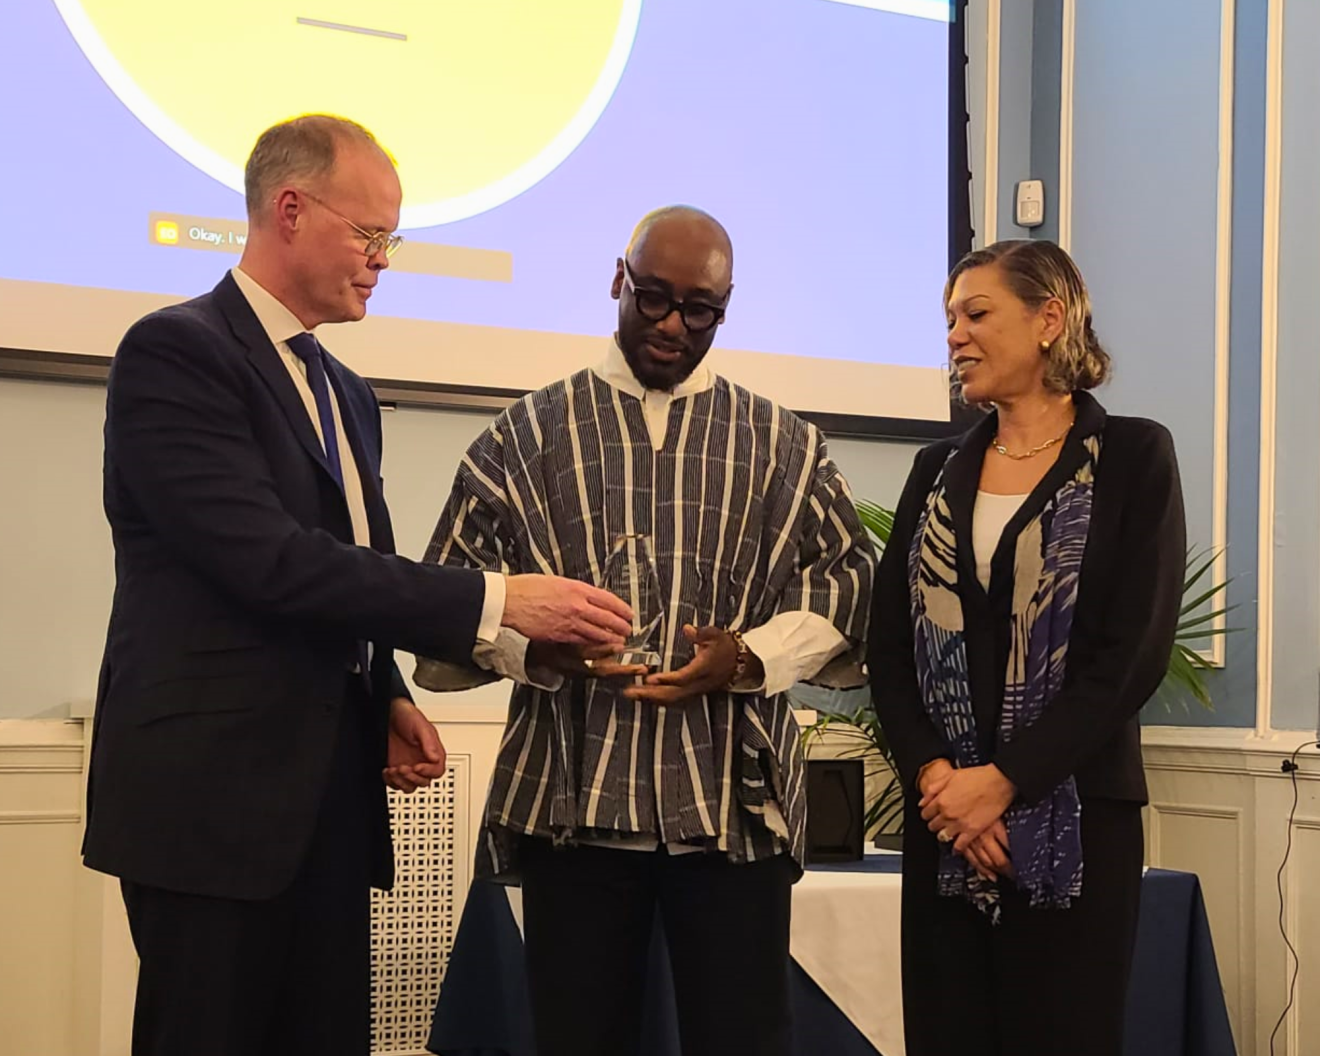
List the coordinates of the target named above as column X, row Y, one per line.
column 1028, row 454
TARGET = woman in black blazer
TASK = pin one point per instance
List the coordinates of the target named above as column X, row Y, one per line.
column 1024, row 611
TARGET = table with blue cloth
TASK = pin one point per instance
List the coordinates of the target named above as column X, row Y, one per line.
column 845, row 980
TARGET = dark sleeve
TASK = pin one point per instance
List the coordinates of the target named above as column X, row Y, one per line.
column 1136, row 630
column 181, row 440
column 398, row 687
column 895, row 694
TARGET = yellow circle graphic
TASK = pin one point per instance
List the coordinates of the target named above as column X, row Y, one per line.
column 477, row 101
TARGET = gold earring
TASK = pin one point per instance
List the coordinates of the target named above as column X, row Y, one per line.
column 1044, row 346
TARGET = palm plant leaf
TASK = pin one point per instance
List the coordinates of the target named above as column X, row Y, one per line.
column 1199, row 562
column 877, row 520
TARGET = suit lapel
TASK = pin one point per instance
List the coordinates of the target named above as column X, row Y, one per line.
column 356, row 430
column 266, row 360
column 962, row 478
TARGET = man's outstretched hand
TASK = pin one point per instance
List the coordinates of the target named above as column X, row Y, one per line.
column 711, row 670
column 582, row 661
column 553, row 609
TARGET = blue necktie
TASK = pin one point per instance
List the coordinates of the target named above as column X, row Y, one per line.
column 308, row 349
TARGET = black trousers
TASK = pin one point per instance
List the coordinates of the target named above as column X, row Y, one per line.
column 292, row 974
column 1042, row 982
column 588, row 914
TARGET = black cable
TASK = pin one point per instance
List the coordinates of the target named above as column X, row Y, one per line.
column 1289, row 767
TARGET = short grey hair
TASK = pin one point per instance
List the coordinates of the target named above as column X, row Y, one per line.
column 302, row 149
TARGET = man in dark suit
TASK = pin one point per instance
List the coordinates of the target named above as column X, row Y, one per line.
column 249, row 703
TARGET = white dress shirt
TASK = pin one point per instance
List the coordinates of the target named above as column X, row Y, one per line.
column 281, row 324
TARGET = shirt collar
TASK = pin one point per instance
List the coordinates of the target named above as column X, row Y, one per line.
column 616, row 372
column 279, row 323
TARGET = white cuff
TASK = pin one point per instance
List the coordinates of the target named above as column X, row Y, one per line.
column 492, row 609
column 507, row 657
column 792, row 646
column 764, row 644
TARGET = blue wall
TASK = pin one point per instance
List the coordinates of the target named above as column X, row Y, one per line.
column 1145, row 157
column 1144, row 218
column 1296, row 541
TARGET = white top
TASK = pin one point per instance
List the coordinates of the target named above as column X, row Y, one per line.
column 990, row 517
column 281, row 324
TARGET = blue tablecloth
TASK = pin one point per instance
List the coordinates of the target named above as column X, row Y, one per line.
column 1175, row 1004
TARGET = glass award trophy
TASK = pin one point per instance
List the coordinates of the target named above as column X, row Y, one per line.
column 630, row 575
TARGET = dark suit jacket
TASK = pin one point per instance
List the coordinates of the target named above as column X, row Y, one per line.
column 239, row 606
column 1128, row 600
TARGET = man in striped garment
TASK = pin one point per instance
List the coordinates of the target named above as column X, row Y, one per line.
column 619, row 790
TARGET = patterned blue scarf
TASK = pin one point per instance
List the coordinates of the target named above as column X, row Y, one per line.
column 1045, row 841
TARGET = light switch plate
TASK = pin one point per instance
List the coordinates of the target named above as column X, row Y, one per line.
column 1030, row 203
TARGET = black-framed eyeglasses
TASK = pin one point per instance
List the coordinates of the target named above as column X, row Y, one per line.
column 376, row 240
column 655, row 305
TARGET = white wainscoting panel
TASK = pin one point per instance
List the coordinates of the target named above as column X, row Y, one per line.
column 1219, row 804
column 1219, row 808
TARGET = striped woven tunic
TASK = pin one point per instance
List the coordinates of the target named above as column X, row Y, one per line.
column 749, row 520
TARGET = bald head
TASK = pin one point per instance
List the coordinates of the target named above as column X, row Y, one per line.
column 685, row 229
column 673, row 285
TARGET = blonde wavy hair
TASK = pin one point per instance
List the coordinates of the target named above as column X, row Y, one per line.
column 1037, row 271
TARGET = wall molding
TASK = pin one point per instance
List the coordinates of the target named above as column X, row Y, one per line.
column 40, row 817
column 1162, row 809
column 1269, row 367
column 1226, row 775
column 1067, row 66
column 1236, row 738
column 1215, row 652
column 40, row 733
column 1194, row 810
column 1228, row 751
column 1294, row 887
column 40, row 746
column 990, row 218
column 1233, row 776
column 72, row 766
column 1223, row 317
